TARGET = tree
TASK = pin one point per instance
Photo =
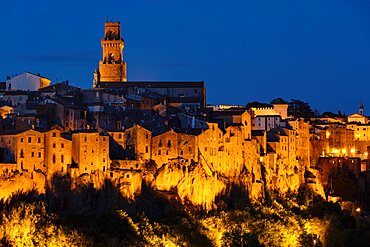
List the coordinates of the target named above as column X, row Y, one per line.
column 279, row 101
column 298, row 108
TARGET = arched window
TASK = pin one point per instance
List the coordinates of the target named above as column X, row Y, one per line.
column 111, row 58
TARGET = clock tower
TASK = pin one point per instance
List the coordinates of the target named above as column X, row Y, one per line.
column 112, row 67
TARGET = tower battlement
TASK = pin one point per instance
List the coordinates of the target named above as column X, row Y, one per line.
column 112, row 67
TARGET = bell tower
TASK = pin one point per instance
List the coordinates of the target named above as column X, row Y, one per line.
column 362, row 109
column 112, row 67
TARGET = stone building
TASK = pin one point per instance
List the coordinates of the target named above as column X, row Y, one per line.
column 25, row 148
column 111, row 77
column 90, row 151
column 57, row 153
column 171, row 145
column 64, row 111
column 303, row 140
column 138, row 142
column 112, row 67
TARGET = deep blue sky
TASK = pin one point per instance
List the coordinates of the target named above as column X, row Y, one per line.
column 314, row 50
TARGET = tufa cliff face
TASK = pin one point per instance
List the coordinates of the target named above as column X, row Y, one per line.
column 191, row 184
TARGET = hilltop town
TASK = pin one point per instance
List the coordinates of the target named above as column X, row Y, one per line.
column 163, row 135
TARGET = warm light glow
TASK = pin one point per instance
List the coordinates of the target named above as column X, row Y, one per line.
column 353, row 150
column 358, row 210
column 327, row 134
column 344, row 151
column 366, row 154
column 335, row 151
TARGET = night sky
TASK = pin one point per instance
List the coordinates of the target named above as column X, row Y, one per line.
column 314, row 50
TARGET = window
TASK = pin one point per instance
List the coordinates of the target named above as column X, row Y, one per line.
column 62, row 158
column 29, row 139
column 62, row 145
column 169, row 143
column 147, row 136
column 127, row 175
column 182, row 152
column 38, row 140
column 33, row 154
column 21, row 154
column 54, row 159
column 85, row 139
column 54, row 145
column 160, row 143
column 146, row 149
column 103, row 168
column 39, row 154
column 103, row 159
column 54, row 134
column 159, row 152
column 21, row 139
column 119, row 136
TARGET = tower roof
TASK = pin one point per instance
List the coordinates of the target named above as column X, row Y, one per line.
column 361, row 105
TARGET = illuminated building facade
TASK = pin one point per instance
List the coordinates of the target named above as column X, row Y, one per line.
column 112, row 67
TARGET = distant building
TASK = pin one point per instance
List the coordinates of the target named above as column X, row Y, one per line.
column 27, row 81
